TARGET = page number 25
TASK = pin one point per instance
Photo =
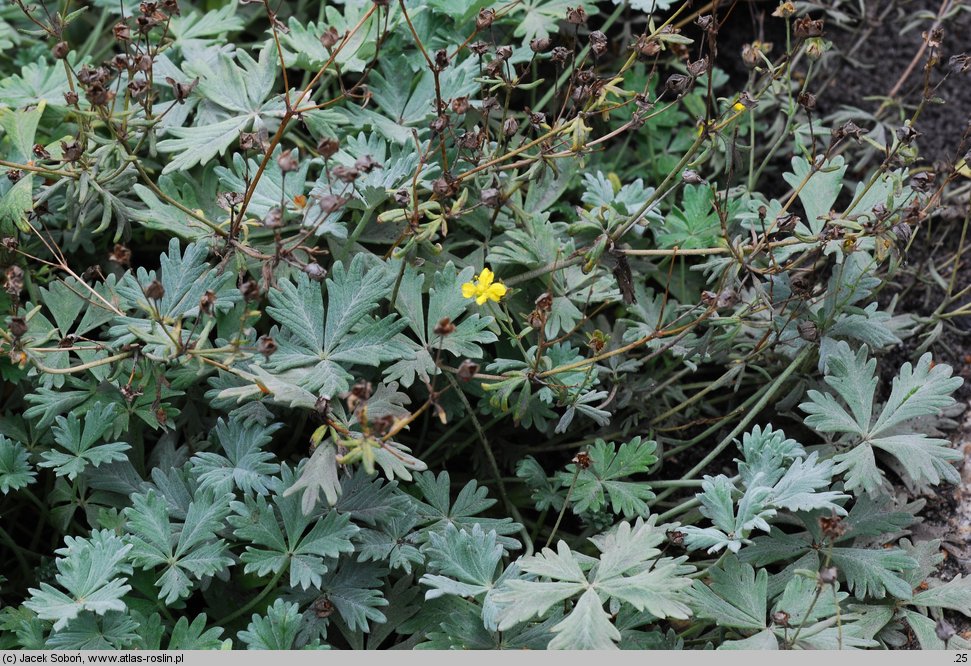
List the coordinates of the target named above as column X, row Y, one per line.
column 961, row 658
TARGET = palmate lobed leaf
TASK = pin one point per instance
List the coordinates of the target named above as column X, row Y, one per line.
column 281, row 540
column 602, row 480
column 80, row 444
column 186, row 551
column 918, row 391
column 626, row 572
column 92, row 572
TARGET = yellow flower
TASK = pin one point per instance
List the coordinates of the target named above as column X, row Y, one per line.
column 484, row 288
column 738, row 107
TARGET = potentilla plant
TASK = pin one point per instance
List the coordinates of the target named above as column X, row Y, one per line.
column 448, row 325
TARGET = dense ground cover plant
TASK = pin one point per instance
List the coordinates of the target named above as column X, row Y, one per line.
column 445, row 324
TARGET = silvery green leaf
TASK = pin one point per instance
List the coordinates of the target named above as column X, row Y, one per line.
column 318, row 474
column 276, row 630
column 464, row 563
column 606, row 478
column 955, row 594
column 280, row 539
column 587, row 627
column 245, row 465
column 91, row 571
column 799, row 488
column 736, row 596
column 818, row 192
column 186, row 551
column 874, row 572
column 81, row 447
column 853, row 378
column 15, row 469
column 917, row 391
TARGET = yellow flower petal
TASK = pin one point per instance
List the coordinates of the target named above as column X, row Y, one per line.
column 485, row 278
column 468, row 290
column 496, row 291
column 481, row 299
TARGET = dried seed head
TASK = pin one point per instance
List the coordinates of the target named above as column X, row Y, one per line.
column 441, row 59
column 698, row 67
column 345, row 174
column 266, row 346
column 491, row 197
column 691, row 177
column 71, row 98
column 14, row 175
column 322, row 406
column 60, row 50
column 678, row 83
column 959, row 64
column 154, row 291
column 780, row 618
column 676, row 537
column 544, row 301
column 182, row 90
column 443, row 188
column 598, row 43
column 13, row 280
column 902, row 231
column 907, row 134
column 706, row 22
column 18, row 327
column 366, row 164
column 806, row 27
column 315, row 271
column 439, row 124
column 485, row 18
column 322, row 606
column 330, row 37
column 460, row 105
column 120, row 255
column 207, row 304
column 808, row 331
column 361, row 390
column 560, row 55
column 122, row 32
column 250, row 291
column 444, row 327
column 40, row 152
column 287, row 161
column 467, row 370
column 576, row 15
column 273, row 219
column 536, row 320
column 832, row 526
column 330, row 202
column 922, row 181
column 582, row 460
column 328, row 147
column 138, row 88
column 807, row 101
column 784, row 10
column 540, row 44
column 828, row 576
column 478, row 48
column 71, row 151
column 847, row 129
